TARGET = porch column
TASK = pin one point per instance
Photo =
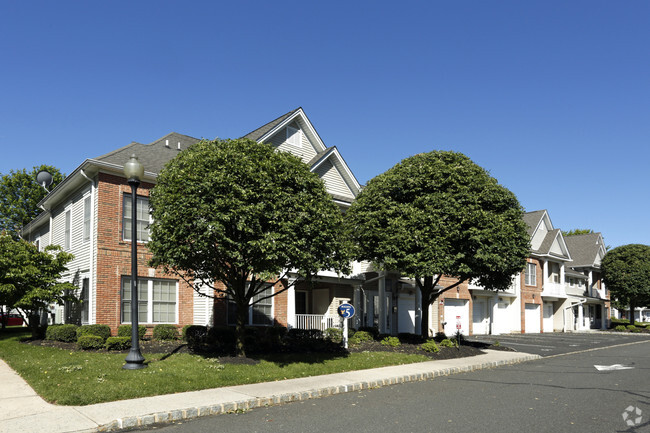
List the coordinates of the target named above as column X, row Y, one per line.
column 291, row 304
column 382, row 302
column 418, row 311
column 603, row 318
column 589, row 282
column 356, row 301
column 562, row 277
column 545, row 276
column 581, row 318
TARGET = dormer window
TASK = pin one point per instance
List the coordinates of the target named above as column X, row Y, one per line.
column 294, row 136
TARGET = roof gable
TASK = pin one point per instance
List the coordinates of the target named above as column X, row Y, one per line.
column 588, row 249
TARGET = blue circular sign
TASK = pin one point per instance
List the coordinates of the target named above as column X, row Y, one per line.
column 346, row 311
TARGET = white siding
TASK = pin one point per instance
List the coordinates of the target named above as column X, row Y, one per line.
column 202, row 308
column 306, row 152
column 333, row 179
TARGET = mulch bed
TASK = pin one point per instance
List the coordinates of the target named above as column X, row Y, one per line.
column 466, row 349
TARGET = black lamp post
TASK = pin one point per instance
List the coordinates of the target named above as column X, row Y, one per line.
column 134, row 172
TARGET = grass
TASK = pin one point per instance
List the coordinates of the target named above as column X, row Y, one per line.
column 81, row 378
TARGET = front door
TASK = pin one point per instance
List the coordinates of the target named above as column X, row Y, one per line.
column 480, row 317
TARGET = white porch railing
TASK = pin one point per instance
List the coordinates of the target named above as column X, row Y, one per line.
column 317, row 321
column 553, row 289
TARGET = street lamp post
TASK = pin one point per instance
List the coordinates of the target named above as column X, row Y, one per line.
column 134, row 172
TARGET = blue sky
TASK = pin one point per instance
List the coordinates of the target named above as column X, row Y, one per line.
column 552, row 97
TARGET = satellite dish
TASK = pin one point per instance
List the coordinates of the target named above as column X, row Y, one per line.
column 44, row 178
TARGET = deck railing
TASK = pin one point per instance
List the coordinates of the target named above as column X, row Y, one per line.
column 317, row 321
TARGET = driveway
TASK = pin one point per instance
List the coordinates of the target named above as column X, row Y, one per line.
column 548, row 344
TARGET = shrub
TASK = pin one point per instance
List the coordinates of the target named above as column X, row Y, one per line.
column 165, row 332
column 118, row 343
column 125, row 331
column 430, row 346
column 360, row 337
column 335, row 335
column 440, row 336
column 408, row 338
column 620, row 328
column 196, row 337
column 90, row 342
column 305, row 334
column 372, row 330
column 67, row 333
column 102, row 331
column 391, row 341
column 631, row 328
column 448, row 343
column 184, row 332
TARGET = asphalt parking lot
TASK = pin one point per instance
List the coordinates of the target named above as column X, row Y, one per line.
column 549, row 344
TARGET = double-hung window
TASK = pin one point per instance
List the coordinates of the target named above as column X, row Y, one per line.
column 142, row 219
column 87, row 219
column 68, row 229
column 259, row 313
column 531, row 274
column 157, row 300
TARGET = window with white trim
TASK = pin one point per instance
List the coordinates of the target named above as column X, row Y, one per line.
column 531, row 274
column 143, row 218
column 294, row 136
column 87, row 219
column 157, row 300
column 260, row 313
column 68, row 229
column 85, row 300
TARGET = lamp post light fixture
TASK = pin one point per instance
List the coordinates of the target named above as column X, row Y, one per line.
column 134, row 172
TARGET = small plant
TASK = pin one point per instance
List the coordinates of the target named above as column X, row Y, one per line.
column 447, row 343
column 90, row 342
column 102, row 331
column 631, row 328
column 66, row 333
column 335, row 335
column 165, row 332
column 496, row 343
column 125, row 331
column 360, row 337
column 620, row 328
column 117, row 343
column 430, row 346
column 391, row 341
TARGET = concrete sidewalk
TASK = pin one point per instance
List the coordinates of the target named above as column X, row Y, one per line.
column 22, row 410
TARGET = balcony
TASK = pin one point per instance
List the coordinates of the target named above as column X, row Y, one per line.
column 317, row 321
column 554, row 290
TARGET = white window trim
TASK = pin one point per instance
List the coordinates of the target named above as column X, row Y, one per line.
column 149, row 282
column 290, row 131
column 532, row 276
column 87, row 198
column 128, row 194
column 67, row 228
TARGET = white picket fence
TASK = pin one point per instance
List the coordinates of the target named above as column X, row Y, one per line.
column 317, row 321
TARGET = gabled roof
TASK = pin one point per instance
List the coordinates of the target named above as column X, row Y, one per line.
column 585, row 249
column 532, row 220
column 546, row 240
column 263, row 130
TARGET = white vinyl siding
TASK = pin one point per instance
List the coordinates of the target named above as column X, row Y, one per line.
column 333, row 179
column 293, row 136
column 157, row 300
column 142, row 219
column 306, row 151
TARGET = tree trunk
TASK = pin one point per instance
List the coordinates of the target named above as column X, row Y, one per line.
column 426, row 291
column 632, row 308
column 242, row 318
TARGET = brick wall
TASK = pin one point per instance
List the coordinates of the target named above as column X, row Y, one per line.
column 532, row 294
column 114, row 256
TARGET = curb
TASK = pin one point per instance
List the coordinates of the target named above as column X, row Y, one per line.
column 255, row 402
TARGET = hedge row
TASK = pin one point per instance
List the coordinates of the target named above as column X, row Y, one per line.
column 70, row 333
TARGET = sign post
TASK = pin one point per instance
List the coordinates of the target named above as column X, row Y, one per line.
column 346, row 311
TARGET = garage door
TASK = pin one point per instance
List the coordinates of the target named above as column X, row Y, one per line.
column 480, row 317
column 548, row 317
column 532, row 318
column 456, row 311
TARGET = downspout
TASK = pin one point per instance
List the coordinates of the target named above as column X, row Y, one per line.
column 582, row 301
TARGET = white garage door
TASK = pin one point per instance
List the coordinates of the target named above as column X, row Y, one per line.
column 456, row 311
column 548, row 317
column 532, row 318
column 480, row 317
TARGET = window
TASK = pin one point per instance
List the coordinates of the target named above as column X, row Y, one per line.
column 37, row 244
column 258, row 314
column 87, row 219
column 294, row 137
column 142, row 219
column 554, row 272
column 68, row 229
column 531, row 274
column 85, row 300
column 157, row 300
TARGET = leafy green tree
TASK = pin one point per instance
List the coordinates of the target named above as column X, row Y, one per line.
column 626, row 272
column 577, row 232
column 438, row 214
column 30, row 279
column 19, row 197
column 243, row 214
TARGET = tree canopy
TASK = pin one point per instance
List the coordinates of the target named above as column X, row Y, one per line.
column 30, row 279
column 577, row 232
column 626, row 272
column 436, row 214
column 19, row 197
column 245, row 215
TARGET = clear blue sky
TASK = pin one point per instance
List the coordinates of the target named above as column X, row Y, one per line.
column 552, row 97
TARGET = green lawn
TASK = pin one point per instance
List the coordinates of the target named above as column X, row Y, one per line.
column 81, row 378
